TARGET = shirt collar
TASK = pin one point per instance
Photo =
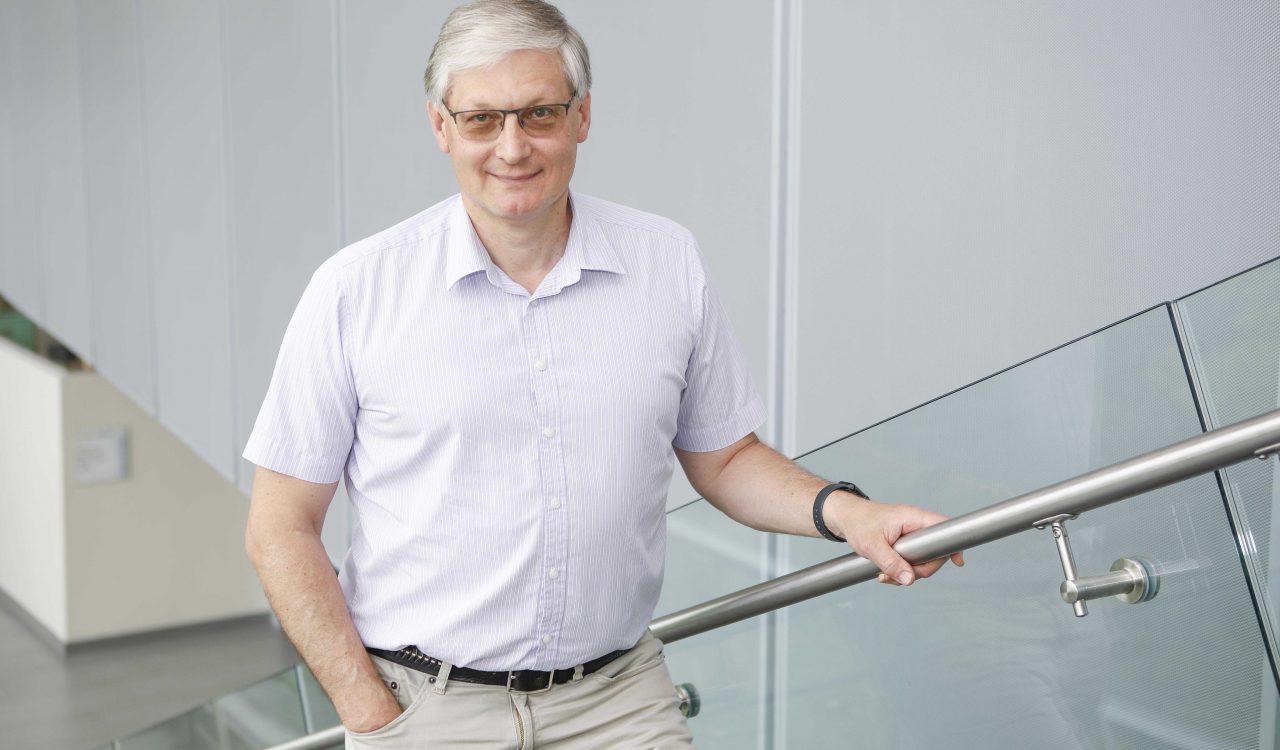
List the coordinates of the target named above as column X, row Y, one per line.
column 464, row 253
column 588, row 249
column 589, row 243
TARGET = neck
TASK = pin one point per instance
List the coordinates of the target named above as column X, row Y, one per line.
column 525, row 250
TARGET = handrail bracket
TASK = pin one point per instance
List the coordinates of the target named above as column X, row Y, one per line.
column 1130, row 580
column 1059, row 525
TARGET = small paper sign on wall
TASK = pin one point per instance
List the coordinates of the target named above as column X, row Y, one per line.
column 102, row 455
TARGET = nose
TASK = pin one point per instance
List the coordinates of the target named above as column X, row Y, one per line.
column 513, row 143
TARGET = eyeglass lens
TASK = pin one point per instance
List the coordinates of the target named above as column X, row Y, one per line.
column 538, row 120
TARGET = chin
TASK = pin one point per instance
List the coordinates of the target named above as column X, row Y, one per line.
column 517, row 208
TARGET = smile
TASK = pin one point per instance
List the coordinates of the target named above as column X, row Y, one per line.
column 515, row 179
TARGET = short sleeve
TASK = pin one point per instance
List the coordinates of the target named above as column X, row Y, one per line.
column 720, row 404
column 307, row 422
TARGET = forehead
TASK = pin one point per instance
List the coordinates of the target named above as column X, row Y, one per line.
column 521, row 78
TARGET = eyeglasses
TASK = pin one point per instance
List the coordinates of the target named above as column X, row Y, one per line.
column 539, row 121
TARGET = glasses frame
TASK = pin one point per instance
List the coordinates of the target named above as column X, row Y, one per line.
column 502, row 123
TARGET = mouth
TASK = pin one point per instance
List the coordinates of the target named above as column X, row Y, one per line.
column 517, row 179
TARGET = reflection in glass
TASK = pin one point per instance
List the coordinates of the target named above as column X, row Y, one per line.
column 1232, row 334
column 261, row 715
column 708, row 555
column 316, row 706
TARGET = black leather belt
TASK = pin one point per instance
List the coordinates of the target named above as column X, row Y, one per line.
column 520, row 681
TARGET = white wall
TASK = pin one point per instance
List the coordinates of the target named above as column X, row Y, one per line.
column 117, row 197
column 43, row 219
column 981, row 182
column 282, row 154
column 32, row 514
column 188, row 223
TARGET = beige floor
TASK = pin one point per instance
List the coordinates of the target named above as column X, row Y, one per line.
column 99, row 692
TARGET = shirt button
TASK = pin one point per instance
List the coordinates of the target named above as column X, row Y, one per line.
column 546, row 639
column 554, row 572
column 539, row 365
column 555, row 503
column 548, row 432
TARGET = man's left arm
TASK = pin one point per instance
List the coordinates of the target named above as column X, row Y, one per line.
column 757, row 486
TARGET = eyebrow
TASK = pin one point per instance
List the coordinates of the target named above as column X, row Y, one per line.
column 533, row 102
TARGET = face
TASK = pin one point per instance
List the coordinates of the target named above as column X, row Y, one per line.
column 518, row 177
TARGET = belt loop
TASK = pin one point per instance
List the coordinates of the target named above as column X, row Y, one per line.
column 577, row 673
column 442, row 679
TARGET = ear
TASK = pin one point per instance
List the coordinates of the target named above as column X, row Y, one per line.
column 584, row 109
column 437, row 126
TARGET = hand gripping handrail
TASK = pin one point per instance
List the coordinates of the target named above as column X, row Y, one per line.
column 1258, row 437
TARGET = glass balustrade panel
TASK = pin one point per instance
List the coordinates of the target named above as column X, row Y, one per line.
column 317, row 708
column 990, row 656
column 1232, row 334
column 709, row 555
column 261, row 715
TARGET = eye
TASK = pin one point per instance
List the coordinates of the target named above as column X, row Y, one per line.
column 541, row 113
column 479, row 118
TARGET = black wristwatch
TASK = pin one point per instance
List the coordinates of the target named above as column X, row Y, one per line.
column 821, row 500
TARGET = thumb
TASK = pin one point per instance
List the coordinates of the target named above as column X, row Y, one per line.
column 878, row 551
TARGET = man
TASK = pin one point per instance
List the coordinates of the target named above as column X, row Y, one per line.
column 505, row 379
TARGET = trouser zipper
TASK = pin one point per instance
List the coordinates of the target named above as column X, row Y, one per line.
column 519, row 726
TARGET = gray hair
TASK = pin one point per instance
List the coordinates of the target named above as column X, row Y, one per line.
column 479, row 34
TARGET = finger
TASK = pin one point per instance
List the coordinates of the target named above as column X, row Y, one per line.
column 882, row 578
column 927, row 569
column 878, row 551
column 931, row 567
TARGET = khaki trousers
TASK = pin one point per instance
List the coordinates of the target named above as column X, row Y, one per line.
column 629, row 703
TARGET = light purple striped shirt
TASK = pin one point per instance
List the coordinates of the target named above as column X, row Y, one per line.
column 507, row 455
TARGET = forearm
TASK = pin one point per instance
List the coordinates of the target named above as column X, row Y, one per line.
column 755, row 485
column 765, row 490
column 304, row 593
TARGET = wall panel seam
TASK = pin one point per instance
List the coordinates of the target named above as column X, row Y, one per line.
column 778, row 219
column 790, row 255
column 782, row 329
column 149, row 235
column 339, row 132
column 230, row 248
column 95, row 325
column 42, row 266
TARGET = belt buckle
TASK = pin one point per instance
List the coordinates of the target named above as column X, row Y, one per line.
column 551, row 681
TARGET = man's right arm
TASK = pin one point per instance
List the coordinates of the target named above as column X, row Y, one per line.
column 283, row 542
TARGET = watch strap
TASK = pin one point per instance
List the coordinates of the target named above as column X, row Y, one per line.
column 821, row 500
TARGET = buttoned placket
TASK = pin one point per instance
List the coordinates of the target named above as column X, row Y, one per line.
column 539, row 355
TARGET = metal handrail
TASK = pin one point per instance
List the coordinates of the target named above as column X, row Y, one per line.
column 1258, row 437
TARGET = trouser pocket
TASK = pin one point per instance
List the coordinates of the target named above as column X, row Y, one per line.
column 411, row 689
